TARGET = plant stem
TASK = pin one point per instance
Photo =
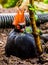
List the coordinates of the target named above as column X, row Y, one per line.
column 34, row 28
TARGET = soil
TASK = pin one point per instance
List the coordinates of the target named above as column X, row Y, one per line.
column 12, row 60
column 11, row 10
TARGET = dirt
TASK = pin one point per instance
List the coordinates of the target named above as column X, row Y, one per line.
column 10, row 10
column 12, row 60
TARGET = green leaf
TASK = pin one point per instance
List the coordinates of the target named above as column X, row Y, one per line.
column 46, row 1
column 36, row 17
column 28, row 29
column 32, row 9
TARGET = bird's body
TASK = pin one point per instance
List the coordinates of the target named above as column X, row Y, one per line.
column 20, row 44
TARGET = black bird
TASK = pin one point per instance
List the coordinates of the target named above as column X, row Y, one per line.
column 20, row 44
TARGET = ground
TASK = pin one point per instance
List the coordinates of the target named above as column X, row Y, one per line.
column 12, row 60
